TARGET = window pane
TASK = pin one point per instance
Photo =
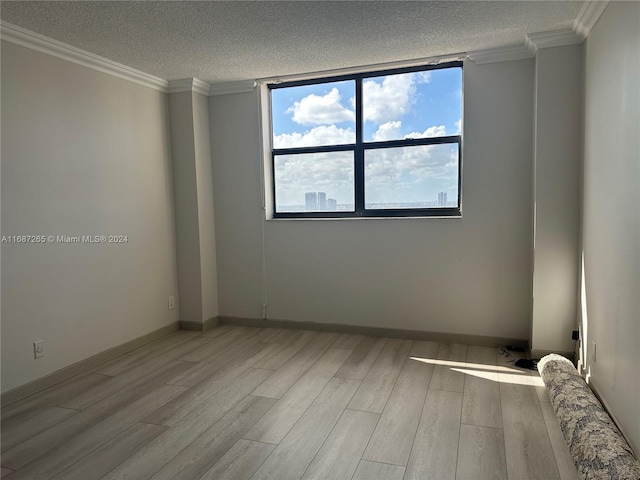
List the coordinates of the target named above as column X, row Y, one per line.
column 412, row 105
column 313, row 115
column 424, row 176
column 314, row 182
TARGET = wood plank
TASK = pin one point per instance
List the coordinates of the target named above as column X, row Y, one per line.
column 564, row 460
column 393, row 437
column 347, row 341
column 63, row 431
column 481, row 454
column 377, row 385
column 152, row 457
column 444, row 377
column 240, row 462
column 285, row 413
column 291, row 371
column 364, row 355
column 89, row 440
column 131, row 377
column 527, row 446
column 145, row 352
column 378, row 471
column 284, row 335
column 296, row 451
column 481, row 400
column 195, row 460
column 112, row 453
column 194, row 397
column 218, row 331
column 18, row 412
column 218, row 344
column 215, row 361
column 342, row 451
column 541, row 389
column 285, row 351
column 435, row 447
column 33, row 426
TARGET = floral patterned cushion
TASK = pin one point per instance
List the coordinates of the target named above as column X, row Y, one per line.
column 599, row 450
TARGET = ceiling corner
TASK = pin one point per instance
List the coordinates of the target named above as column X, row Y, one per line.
column 588, row 16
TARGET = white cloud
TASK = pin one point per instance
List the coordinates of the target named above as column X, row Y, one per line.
column 435, row 131
column 332, row 173
column 322, row 135
column 321, row 109
column 392, row 97
column 387, row 131
column 391, row 131
column 387, row 100
column 422, row 77
column 410, row 167
column 414, row 174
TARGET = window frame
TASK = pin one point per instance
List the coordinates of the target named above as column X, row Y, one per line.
column 360, row 146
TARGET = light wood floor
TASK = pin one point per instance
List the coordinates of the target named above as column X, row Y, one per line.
column 251, row 403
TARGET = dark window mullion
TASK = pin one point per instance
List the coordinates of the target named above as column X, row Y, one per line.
column 359, row 151
column 322, row 149
column 412, row 142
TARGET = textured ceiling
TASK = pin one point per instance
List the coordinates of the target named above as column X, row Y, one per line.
column 228, row 41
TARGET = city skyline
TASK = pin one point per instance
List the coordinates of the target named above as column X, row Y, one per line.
column 319, row 202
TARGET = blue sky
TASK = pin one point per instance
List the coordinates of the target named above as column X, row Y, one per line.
column 419, row 104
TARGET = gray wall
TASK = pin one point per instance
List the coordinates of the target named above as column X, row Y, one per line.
column 469, row 276
column 611, row 213
column 193, row 200
column 185, row 194
column 206, row 217
column 82, row 153
column 556, row 199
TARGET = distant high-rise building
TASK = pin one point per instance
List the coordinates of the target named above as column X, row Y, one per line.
column 442, row 199
column 322, row 201
column 311, row 201
column 332, row 204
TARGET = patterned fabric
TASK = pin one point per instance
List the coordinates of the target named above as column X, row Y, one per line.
column 599, row 450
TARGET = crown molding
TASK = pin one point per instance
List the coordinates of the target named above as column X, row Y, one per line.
column 500, row 54
column 35, row 41
column 227, row 88
column 188, row 85
column 588, row 16
column 554, row 38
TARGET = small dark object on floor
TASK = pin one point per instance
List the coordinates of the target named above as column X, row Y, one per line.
column 515, row 349
column 526, row 363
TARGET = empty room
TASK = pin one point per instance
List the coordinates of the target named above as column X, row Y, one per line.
column 347, row 240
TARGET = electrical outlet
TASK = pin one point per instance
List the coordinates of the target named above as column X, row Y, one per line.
column 593, row 352
column 38, row 349
column 172, row 302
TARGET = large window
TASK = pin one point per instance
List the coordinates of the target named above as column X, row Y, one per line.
column 377, row 144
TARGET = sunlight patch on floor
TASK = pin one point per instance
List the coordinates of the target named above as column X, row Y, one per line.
column 477, row 366
column 504, row 377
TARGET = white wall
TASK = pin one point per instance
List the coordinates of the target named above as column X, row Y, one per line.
column 556, row 198
column 206, row 217
column 611, row 212
column 234, row 122
column 467, row 276
column 82, row 153
column 193, row 200
column 185, row 195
